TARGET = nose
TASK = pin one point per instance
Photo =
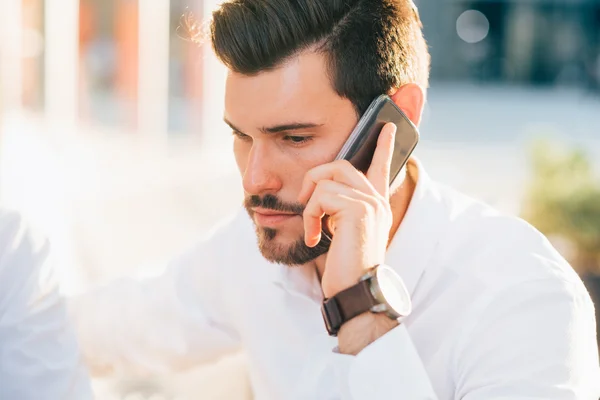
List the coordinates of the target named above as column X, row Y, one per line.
column 260, row 176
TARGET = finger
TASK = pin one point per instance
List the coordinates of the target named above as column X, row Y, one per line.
column 313, row 215
column 339, row 171
column 379, row 171
column 314, row 212
column 329, row 198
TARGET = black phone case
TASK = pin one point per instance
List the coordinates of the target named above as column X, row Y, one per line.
column 361, row 144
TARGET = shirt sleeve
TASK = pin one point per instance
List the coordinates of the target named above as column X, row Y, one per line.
column 168, row 323
column 39, row 356
column 534, row 341
column 388, row 368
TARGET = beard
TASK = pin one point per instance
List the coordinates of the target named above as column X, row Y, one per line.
column 296, row 253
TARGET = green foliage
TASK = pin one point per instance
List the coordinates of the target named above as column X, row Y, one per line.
column 563, row 199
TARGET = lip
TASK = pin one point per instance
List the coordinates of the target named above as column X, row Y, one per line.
column 271, row 218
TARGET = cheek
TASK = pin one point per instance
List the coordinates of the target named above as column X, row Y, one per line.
column 292, row 166
column 288, row 164
column 319, row 153
column 304, row 160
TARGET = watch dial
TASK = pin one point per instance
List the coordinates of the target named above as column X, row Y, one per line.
column 393, row 290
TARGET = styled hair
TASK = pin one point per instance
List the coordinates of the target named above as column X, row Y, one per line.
column 371, row 46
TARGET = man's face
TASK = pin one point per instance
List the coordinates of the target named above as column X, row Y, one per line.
column 286, row 122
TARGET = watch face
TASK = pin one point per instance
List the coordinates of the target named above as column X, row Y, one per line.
column 393, row 290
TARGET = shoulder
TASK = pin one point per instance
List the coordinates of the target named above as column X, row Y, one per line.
column 496, row 249
column 505, row 262
column 520, row 297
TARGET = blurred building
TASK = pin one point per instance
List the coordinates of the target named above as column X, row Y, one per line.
column 530, row 42
column 111, row 63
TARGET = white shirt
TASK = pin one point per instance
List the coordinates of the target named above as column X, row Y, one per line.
column 39, row 358
column 497, row 314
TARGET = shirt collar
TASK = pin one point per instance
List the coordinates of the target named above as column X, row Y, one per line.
column 409, row 252
column 417, row 237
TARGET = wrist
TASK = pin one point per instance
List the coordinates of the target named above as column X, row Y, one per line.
column 346, row 276
column 363, row 330
column 330, row 290
column 380, row 291
column 349, row 278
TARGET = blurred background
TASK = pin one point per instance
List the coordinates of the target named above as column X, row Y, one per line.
column 111, row 138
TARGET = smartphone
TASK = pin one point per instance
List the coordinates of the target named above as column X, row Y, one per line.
column 361, row 144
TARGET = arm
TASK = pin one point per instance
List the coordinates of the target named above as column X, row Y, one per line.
column 545, row 329
column 546, row 346
column 363, row 330
column 39, row 357
column 172, row 322
column 388, row 367
column 535, row 341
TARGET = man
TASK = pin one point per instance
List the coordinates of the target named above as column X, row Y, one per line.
column 496, row 312
column 39, row 357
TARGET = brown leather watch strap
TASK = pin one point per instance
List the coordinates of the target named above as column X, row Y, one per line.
column 346, row 305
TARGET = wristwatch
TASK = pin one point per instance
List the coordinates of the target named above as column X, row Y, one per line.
column 381, row 290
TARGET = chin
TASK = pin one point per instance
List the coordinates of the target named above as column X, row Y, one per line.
column 278, row 247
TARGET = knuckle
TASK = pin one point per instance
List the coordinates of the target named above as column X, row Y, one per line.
column 309, row 208
column 342, row 163
column 383, row 204
column 309, row 176
column 308, row 214
column 386, row 209
column 381, row 199
column 372, row 203
column 345, row 166
column 328, row 198
column 320, row 189
column 326, row 186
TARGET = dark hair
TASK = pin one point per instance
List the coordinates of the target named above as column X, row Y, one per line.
column 372, row 46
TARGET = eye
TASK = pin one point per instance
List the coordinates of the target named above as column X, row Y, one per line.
column 240, row 135
column 297, row 140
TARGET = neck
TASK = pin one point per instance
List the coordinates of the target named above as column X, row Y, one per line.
column 400, row 197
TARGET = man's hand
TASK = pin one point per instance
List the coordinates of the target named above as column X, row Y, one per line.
column 359, row 211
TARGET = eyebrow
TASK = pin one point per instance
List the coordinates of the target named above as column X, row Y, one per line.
column 294, row 126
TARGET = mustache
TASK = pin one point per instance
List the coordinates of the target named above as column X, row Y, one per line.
column 272, row 202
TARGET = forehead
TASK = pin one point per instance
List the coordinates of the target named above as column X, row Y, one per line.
column 299, row 90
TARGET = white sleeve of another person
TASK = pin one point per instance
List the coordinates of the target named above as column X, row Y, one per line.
column 169, row 323
column 39, row 356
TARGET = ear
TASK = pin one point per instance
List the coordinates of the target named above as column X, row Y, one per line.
column 410, row 98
